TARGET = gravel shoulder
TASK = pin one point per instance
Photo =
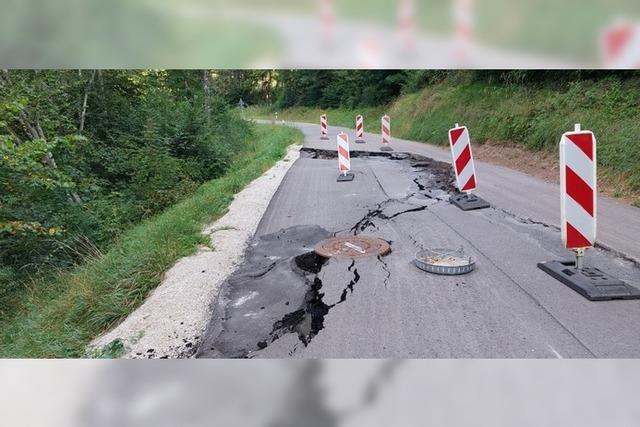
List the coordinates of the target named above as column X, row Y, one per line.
column 171, row 321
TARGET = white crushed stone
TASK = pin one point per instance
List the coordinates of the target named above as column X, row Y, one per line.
column 173, row 318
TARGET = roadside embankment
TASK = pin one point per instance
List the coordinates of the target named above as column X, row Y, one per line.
column 63, row 315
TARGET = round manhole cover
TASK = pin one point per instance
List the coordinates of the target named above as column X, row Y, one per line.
column 352, row 247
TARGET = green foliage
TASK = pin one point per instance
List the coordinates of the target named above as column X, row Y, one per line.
column 252, row 86
column 147, row 141
column 66, row 309
column 418, row 79
column 35, row 210
column 339, row 88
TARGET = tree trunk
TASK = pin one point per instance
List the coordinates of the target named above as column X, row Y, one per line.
column 206, row 86
column 269, row 88
column 101, row 79
column 48, row 157
column 14, row 135
column 83, row 112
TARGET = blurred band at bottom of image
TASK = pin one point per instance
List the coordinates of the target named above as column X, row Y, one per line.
column 275, row 393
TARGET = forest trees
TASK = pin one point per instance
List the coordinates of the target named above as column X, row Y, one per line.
column 317, row 88
column 86, row 154
column 339, row 88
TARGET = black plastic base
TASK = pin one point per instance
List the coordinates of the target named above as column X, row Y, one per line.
column 324, row 138
column 469, row 202
column 386, row 148
column 360, row 141
column 345, row 177
column 589, row 282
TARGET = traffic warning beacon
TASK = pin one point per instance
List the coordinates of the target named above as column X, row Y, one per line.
column 385, row 130
column 578, row 216
column 360, row 129
column 344, row 159
column 324, row 133
column 464, row 168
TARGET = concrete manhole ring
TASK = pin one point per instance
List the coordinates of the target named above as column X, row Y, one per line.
column 352, row 247
column 449, row 262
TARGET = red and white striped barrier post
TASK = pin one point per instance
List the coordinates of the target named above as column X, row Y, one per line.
column 578, row 211
column 385, row 130
column 462, row 159
column 406, row 26
column 344, row 158
column 359, row 129
column 620, row 46
column 324, row 133
column 578, row 191
column 465, row 170
column 463, row 17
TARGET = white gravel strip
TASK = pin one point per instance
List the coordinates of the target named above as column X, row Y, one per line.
column 171, row 321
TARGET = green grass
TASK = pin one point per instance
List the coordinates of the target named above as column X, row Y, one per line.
column 534, row 116
column 63, row 312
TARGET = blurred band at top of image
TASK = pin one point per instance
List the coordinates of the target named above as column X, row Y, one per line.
column 321, row 34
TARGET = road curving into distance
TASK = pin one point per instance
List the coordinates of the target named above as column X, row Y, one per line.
column 284, row 301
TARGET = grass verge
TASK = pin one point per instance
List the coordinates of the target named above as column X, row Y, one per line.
column 63, row 312
column 533, row 116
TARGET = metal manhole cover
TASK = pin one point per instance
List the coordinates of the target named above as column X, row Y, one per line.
column 352, row 247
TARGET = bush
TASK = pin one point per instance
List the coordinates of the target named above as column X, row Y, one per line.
column 146, row 144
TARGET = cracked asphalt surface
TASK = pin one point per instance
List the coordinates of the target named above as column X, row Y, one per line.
column 284, row 301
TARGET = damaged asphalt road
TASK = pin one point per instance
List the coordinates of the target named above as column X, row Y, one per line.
column 278, row 290
column 284, row 301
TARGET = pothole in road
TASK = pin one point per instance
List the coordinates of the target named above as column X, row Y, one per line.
column 279, row 291
column 308, row 320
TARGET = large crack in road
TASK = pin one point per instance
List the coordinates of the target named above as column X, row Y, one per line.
column 251, row 303
column 278, row 290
